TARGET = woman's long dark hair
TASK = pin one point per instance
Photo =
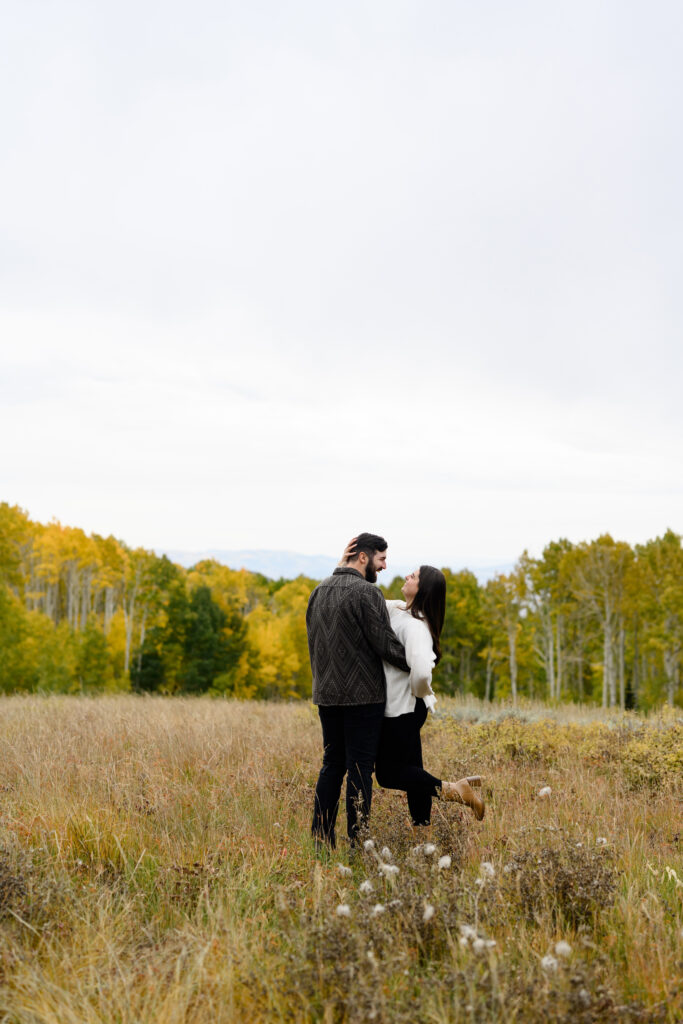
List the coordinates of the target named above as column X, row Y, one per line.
column 430, row 603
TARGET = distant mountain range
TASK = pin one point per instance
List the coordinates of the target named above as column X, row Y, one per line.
column 290, row 564
column 273, row 564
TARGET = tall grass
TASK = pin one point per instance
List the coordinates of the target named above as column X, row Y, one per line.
column 156, row 866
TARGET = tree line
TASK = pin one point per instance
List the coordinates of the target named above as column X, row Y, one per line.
column 599, row 621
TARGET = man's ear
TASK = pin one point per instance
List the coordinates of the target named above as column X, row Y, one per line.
column 362, row 557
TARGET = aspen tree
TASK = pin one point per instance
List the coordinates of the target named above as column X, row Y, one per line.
column 597, row 574
column 661, row 565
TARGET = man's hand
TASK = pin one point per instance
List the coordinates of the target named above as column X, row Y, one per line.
column 349, row 550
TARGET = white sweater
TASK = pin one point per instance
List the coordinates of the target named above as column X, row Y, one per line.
column 404, row 687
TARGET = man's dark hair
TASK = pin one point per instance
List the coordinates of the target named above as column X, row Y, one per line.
column 369, row 543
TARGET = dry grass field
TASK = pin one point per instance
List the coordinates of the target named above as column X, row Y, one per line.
column 156, row 866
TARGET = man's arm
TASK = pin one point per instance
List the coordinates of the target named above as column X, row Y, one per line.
column 310, row 616
column 377, row 629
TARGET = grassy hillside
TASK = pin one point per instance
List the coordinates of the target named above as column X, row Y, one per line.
column 155, row 865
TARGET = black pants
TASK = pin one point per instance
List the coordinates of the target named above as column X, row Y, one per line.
column 350, row 738
column 399, row 763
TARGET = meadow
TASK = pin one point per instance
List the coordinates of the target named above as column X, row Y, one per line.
column 156, row 866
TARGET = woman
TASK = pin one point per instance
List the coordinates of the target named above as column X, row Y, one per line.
column 417, row 622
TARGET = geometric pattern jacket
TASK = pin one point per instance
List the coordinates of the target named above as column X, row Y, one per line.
column 349, row 634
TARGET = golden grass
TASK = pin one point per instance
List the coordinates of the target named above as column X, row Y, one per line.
column 156, row 866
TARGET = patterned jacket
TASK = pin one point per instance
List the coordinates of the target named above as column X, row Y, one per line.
column 349, row 635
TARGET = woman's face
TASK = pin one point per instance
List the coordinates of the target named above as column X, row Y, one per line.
column 411, row 586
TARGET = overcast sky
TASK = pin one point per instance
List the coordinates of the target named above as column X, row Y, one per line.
column 273, row 273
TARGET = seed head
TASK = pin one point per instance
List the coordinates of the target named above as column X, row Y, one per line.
column 428, row 912
column 563, row 948
column 366, row 886
column 545, row 792
column 486, row 869
column 343, row 910
column 343, row 870
column 549, row 963
column 444, row 862
column 368, row 845
column 385, row 853
column 388, row 870
column 428, row 849
column 378, row 909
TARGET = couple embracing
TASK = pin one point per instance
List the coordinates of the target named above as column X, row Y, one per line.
column 372, row 664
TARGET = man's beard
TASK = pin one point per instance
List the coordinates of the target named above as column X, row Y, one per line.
column 370, row 573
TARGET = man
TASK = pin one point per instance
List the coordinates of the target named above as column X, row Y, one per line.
column 349, row 636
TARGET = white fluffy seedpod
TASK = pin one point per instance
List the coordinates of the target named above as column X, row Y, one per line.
column 344, row 870
column 468, row 932
column 378, row 909
column 478, row 945
column 368, row 845
column 428, row 912
column 563, row 948
column 343, row 910
column 385, row 853
column 545, row 792
column 444, row 862
column 428, row 849
column 487, row 870
column 549, row 963
column 388, row 870
column 366, row 886
column 601, row 841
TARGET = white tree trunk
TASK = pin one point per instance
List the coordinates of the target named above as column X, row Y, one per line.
column 142, row 635
column 489, row 674
column 129, row 618
column 72, row 596
column 622, row 667
column 512, row 643
column 108, row 608
column 558, row 638
column 672, row 668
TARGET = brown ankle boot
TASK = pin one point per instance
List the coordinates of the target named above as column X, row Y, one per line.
column 462, row 793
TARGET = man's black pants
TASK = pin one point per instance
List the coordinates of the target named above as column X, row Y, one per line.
column 350, row 738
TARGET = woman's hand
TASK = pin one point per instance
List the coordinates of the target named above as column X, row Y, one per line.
column 349, row 550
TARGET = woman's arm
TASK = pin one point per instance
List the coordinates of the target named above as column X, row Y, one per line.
column 420, row 656
column 349, row 550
